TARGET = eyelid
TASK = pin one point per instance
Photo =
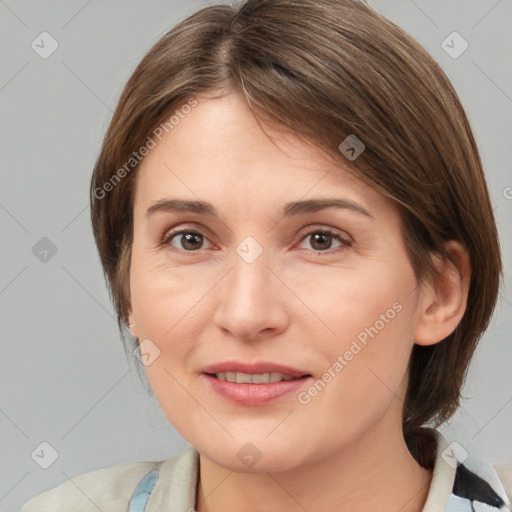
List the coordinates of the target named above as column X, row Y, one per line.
column 179, row 228
column 311, row 228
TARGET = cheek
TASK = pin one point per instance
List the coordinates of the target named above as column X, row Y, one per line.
column 165, row 297
column 365, row 367
column 356, row 302
column 372, row 318
column 169, row 305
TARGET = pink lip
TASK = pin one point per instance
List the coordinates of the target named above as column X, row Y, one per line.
column 261, row 367
column 254, row 394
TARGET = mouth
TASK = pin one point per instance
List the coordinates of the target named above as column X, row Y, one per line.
column 255, row 378
column 254, row 389
column 254, row 383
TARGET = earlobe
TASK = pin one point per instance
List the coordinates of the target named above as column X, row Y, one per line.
column 443, row 302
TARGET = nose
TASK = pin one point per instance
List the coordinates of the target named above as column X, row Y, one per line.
column 251, row 300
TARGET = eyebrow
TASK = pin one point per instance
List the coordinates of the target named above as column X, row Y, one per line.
column 289, row 209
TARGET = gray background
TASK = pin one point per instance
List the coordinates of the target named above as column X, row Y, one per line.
column 64, row 376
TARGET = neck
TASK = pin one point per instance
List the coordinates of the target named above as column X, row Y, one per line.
column 376, row 472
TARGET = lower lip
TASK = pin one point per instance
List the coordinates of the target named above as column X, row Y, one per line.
column 254, row 394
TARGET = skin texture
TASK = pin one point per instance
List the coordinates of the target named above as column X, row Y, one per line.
column 300, row 303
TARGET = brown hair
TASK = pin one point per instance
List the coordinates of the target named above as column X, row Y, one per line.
column 325, row 69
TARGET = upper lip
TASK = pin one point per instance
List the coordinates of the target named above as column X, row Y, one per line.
column 253, row 368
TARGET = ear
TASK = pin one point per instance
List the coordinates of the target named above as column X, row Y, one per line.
column 443, row 302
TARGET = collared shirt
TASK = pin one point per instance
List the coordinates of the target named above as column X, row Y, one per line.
column 171, row 485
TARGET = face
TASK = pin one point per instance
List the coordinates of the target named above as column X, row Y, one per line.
column 329, row 292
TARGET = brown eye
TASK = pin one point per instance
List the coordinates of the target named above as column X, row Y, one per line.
column 190, row 240
column 321, row 240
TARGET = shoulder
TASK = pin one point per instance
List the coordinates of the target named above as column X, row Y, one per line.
column 102, row 489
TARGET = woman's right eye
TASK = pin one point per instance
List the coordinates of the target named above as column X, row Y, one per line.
column 188, row 241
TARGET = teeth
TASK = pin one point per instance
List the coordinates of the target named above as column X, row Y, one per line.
column 258, row 378
column 242, row 378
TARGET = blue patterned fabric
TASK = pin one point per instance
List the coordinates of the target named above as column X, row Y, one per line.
column 142, row 491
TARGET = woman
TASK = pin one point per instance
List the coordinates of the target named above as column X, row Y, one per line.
column 293, row 220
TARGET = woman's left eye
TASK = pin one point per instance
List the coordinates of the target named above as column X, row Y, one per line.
column 323, row 237
column 193, row 240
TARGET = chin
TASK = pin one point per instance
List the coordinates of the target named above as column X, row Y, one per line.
column 258, row 456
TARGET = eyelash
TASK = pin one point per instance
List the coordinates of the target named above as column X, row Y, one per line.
column 166, row 240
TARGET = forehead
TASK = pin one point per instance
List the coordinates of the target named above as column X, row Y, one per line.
column 219, row 152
